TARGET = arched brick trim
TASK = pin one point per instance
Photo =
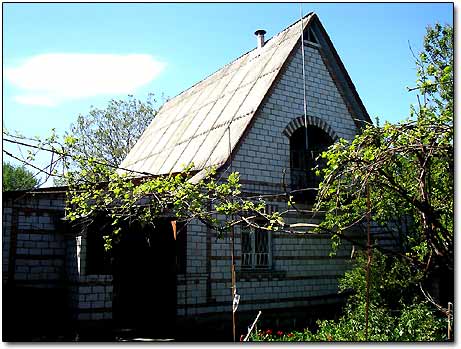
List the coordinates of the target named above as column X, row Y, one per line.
column 311, row 120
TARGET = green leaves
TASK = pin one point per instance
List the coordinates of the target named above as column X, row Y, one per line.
column 408, row 166
column 107, row 135
column 17, row 178
column 144, row 199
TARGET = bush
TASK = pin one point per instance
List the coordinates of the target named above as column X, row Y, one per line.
column 396, row 311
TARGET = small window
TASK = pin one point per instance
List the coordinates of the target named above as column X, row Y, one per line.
column 256, row 248
column 311, row 36
column 306, row 145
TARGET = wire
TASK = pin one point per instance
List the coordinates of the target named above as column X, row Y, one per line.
column 55, row 151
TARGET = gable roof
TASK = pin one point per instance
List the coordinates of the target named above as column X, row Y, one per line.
column 204, row 124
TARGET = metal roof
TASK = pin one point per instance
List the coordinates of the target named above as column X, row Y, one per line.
column 203, row 124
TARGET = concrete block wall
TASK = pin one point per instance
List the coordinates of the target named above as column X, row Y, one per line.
column 302, row 272
column 34, row 279
column 7, row 218
column 192, row 286
column 91, row 295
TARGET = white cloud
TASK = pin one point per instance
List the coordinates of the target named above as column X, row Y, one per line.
column 49, row 79
column 35, row 100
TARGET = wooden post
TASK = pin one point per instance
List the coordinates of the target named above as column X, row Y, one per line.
column 233, row 282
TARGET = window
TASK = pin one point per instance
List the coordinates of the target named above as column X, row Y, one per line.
column 311, row 36
column 256, row 248
column 306, row 144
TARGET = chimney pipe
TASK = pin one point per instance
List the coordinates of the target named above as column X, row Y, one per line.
column 260, row 37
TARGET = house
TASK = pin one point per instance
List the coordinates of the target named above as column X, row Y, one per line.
column 250, row 114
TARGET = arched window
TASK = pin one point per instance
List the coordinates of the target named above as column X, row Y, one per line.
column 304, row 150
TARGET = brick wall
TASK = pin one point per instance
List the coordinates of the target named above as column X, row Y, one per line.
column 90, row 295
column 93, row 297
column 33, row 240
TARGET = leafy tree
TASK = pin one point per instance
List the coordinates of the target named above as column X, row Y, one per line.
column 109, row 134
column 17, row 178
column 406, row 169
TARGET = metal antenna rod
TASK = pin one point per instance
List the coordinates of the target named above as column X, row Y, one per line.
column 304, row 71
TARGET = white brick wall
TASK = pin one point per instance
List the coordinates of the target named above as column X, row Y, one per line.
column 93, row 297
column 39, row 247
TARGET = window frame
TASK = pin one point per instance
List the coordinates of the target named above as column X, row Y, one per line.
column 252, row 255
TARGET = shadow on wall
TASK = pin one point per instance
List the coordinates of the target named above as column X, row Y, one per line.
column 35, row 293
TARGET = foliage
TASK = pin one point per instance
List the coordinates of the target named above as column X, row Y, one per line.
column 104, row 137
column 125, row 199
column 395, row 314
column 109, row 134
column 416, row 323
column 407, row 168
column 17, row 178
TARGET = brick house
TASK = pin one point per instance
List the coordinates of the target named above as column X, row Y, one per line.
column 250, row 114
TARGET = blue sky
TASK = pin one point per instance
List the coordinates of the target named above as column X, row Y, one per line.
column 60, row 59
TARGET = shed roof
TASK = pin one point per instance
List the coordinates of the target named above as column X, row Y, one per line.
column 203, row 124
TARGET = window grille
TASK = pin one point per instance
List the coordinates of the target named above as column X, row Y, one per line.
column 256, row 248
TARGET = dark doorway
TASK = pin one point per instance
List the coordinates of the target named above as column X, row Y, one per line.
column 144, row 272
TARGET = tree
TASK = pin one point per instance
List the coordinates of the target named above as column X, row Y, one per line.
column 109, row 134
column 103, row 136
column 406, row 170
column 17, row 178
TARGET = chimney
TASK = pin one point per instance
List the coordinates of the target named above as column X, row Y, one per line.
column 260, row 37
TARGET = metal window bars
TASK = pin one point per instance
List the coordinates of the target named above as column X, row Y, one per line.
column 256, row 251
